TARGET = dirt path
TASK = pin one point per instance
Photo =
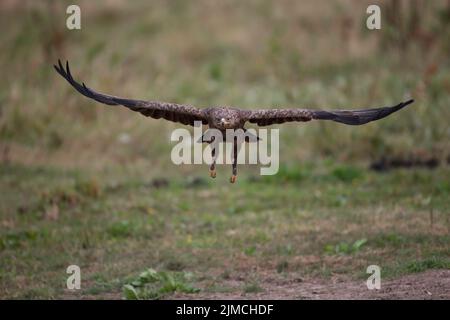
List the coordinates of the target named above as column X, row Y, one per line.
column 432, row 284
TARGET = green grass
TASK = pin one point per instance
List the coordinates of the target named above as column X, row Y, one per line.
column 155, row 285
column 302, row 229
column 252, row 287
column 344, row 247
column 93, row 185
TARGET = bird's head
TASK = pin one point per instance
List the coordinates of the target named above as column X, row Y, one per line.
column 225, row 118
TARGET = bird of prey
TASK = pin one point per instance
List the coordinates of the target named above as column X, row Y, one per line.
column 226, row 117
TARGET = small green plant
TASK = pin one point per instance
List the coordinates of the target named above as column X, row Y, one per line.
column 250, row 251
column 287, row 173
column 120, row 229
column 152, row 284
column 347, row 173
column 252, row 287
column 345, row 248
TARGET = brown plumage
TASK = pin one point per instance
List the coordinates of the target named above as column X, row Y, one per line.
column 225, row 117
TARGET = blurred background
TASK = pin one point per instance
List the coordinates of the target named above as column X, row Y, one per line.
column 65, row 158
column 253, row 54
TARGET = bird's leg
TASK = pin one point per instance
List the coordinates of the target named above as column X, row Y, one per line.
column 235, row 154
column 214, row 155
column 212, row 168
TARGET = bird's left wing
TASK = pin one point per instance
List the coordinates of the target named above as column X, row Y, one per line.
column 184, row 114
column 265, row 117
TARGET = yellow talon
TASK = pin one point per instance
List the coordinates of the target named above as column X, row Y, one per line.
column 233, row 178
column 212, row 173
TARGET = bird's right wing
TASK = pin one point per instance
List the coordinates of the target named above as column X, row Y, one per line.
column 265, row 117
column 184, row 114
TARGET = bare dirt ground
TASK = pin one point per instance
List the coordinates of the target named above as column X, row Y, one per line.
column 432, row 284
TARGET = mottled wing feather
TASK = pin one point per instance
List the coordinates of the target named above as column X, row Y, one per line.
column 184, row 114
column 264, row 117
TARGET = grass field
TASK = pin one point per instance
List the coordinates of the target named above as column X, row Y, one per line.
column 91, row 185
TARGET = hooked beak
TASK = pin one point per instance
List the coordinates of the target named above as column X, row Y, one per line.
column 224, row 122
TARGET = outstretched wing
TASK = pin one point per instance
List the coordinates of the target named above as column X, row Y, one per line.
column 184, row 114
column 266, row 117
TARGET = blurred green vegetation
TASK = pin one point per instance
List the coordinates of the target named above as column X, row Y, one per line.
column 93, row 185
column 251, row 54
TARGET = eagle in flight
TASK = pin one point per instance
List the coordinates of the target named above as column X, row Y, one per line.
column 225, row 117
